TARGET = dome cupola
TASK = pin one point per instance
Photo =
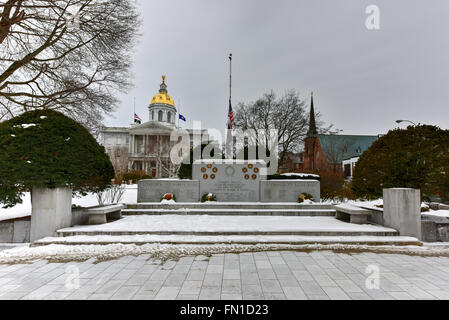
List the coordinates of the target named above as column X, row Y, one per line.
column 162, row 107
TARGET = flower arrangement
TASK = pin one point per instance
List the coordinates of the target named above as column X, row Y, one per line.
column 208, row 197
column 304, row 197
column 168, row 197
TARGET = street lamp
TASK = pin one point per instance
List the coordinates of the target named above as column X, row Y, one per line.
column 400, row 121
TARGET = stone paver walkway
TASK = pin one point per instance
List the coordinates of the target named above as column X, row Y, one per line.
column 264, row 275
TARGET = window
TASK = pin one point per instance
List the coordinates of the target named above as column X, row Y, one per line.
column 169, row 117
column 152, row 115
column 347, row 170
column 160, row 116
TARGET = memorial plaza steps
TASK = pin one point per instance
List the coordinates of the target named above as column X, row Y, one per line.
column 229, row 223
column 232, row 209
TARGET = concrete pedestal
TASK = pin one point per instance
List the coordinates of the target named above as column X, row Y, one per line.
column 402, row 211
column 51, row 210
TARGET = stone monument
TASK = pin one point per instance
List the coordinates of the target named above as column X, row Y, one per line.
column 230, row 180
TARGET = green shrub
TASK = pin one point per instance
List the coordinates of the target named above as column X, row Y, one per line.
column 44, row 148
column 417, row 158
column 135, row 176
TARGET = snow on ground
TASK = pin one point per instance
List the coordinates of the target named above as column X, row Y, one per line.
column 301, row 175
column 374, row 205
column 438, row 213
column 242, row 239
column 24, row 209
column 65, row 253
column 205, row 223
column 18, row 211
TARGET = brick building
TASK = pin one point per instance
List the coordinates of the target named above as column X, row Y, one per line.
column 326, row 152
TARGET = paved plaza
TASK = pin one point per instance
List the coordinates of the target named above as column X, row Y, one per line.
column 260, row 275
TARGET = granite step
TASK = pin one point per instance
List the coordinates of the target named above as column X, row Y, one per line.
column 206, row 225
column 233, row 212
column 244, row 240
column 67, row 233
column 226, row 205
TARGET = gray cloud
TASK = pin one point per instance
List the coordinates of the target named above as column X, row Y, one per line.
column 363, row 80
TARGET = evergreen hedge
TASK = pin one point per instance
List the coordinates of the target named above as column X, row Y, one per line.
column 417, row 157
column 44, row 148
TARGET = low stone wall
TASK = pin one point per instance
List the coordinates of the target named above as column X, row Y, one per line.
column 434, row 228
column 15, row 231
column 79, row 216
column 153, row 190
column 288, row 190
column 402, row 211
column 51, row 210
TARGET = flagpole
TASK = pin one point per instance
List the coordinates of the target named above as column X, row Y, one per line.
column 179, row 110
column 228, row 129
column 134, row 115
column 230, row 77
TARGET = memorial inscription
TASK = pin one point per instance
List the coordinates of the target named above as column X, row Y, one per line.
column 230, row 180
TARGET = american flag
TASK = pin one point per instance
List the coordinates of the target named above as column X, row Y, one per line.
column 230, row 116
column 137, row 118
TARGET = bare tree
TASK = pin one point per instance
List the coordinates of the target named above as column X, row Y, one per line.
column 69, row 55
column 287, row 114
column 167, row 167
column 336, row 151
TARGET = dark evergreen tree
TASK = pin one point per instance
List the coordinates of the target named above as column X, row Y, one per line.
column 44, row 148
column 417, row 157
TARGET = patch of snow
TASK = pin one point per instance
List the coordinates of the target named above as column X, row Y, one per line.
column 147, row 238
column 24, row 209
column 170, row 251
column 437, row 213
column 29, row 125
column 302, row 175
column 43, row 117
column 205, row 223
column 13, row 135
column 165, row 201
column 18, row 211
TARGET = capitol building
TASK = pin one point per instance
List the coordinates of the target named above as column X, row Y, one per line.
column 146, row 147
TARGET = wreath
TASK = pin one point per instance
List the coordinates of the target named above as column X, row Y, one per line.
column 168, row 197
column 208, row 197
column 305, row 196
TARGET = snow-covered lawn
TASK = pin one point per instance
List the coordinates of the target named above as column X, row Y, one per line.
column 24, row 209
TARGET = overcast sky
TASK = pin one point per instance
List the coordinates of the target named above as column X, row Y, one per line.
column 363, row 79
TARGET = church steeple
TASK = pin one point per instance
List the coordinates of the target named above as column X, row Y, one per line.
column 312, row 123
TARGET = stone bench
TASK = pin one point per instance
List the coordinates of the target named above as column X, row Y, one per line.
column 356, row 214
column 100, row 215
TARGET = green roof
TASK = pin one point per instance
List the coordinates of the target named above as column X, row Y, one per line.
column 337, row 148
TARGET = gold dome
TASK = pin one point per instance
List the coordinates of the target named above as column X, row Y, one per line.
column 163, row 97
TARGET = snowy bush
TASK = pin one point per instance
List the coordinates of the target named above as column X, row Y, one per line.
column 112, row 195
